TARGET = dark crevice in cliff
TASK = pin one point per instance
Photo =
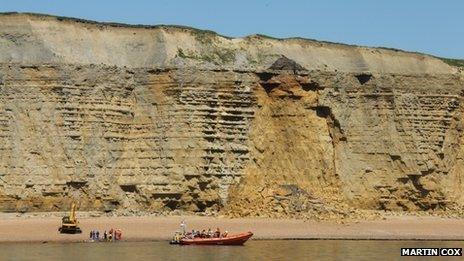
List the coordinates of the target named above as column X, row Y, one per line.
column 334, row 124
column 323, row 111
column 415, row 182
column 403, row 180
column 231, row 118
column 169, row 200
column 129, row 188
column 208, row 204
column 268, row 86
column 311, row 86
column 335, row 130
column 363, row 78
column 265, row 76
column 171, row 204
column 76, row 184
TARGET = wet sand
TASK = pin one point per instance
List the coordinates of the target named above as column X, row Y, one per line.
column 45, row 229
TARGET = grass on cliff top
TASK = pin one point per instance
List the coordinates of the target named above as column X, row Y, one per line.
column 453, row 62
column 200, row 34
column 203, row 35
column 85, row 21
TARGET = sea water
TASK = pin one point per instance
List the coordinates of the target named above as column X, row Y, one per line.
column 252, row 250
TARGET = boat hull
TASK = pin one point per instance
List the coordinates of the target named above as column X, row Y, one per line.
column 233, row 240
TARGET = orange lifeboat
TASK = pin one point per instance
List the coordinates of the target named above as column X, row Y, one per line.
column 238, row 239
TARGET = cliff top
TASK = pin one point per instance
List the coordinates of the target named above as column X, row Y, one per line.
column 37, row 38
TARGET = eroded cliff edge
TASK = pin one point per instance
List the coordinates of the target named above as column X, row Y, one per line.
column 163, row 118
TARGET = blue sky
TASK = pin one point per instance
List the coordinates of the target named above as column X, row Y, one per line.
column 434, row 27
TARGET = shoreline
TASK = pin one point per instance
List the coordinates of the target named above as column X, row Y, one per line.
column 157, row 228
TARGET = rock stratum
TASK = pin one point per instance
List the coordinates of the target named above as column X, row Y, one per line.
column 159, row 118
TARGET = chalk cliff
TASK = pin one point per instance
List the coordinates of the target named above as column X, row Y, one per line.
column 158, row 118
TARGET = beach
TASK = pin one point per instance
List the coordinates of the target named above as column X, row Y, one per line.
column 152, row 228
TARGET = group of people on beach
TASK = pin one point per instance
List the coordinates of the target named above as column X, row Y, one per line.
column 110, row 236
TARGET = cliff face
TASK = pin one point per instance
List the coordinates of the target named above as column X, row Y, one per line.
column 164, row 118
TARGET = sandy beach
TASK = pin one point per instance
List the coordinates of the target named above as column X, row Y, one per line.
column 44, row 229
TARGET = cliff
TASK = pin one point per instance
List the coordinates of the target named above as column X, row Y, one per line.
column 160, row 118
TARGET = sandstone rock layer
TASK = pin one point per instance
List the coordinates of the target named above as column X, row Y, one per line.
column 161, row 118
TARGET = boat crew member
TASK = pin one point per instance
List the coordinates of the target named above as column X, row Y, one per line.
column 183, row 227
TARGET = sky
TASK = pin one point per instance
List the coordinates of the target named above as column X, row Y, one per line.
column 427, row 26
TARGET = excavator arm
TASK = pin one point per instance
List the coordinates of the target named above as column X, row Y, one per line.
column 72, row 214
column 69, row 223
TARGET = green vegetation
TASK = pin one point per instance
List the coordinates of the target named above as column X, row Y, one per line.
column 225, row 55
column 270, row 37
column 203, row 37
column 396, row 50
column 453, row 62
column 79, row 20
column 181, row 54
column 217, row 56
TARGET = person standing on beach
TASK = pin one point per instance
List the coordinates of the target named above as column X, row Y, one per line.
column 183, row 226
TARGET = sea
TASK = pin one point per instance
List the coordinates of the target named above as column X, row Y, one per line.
column 252, row 250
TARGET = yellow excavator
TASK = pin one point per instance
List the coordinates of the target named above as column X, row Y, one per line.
column 69, row 224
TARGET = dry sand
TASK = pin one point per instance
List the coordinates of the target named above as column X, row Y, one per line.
column 44, row 229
